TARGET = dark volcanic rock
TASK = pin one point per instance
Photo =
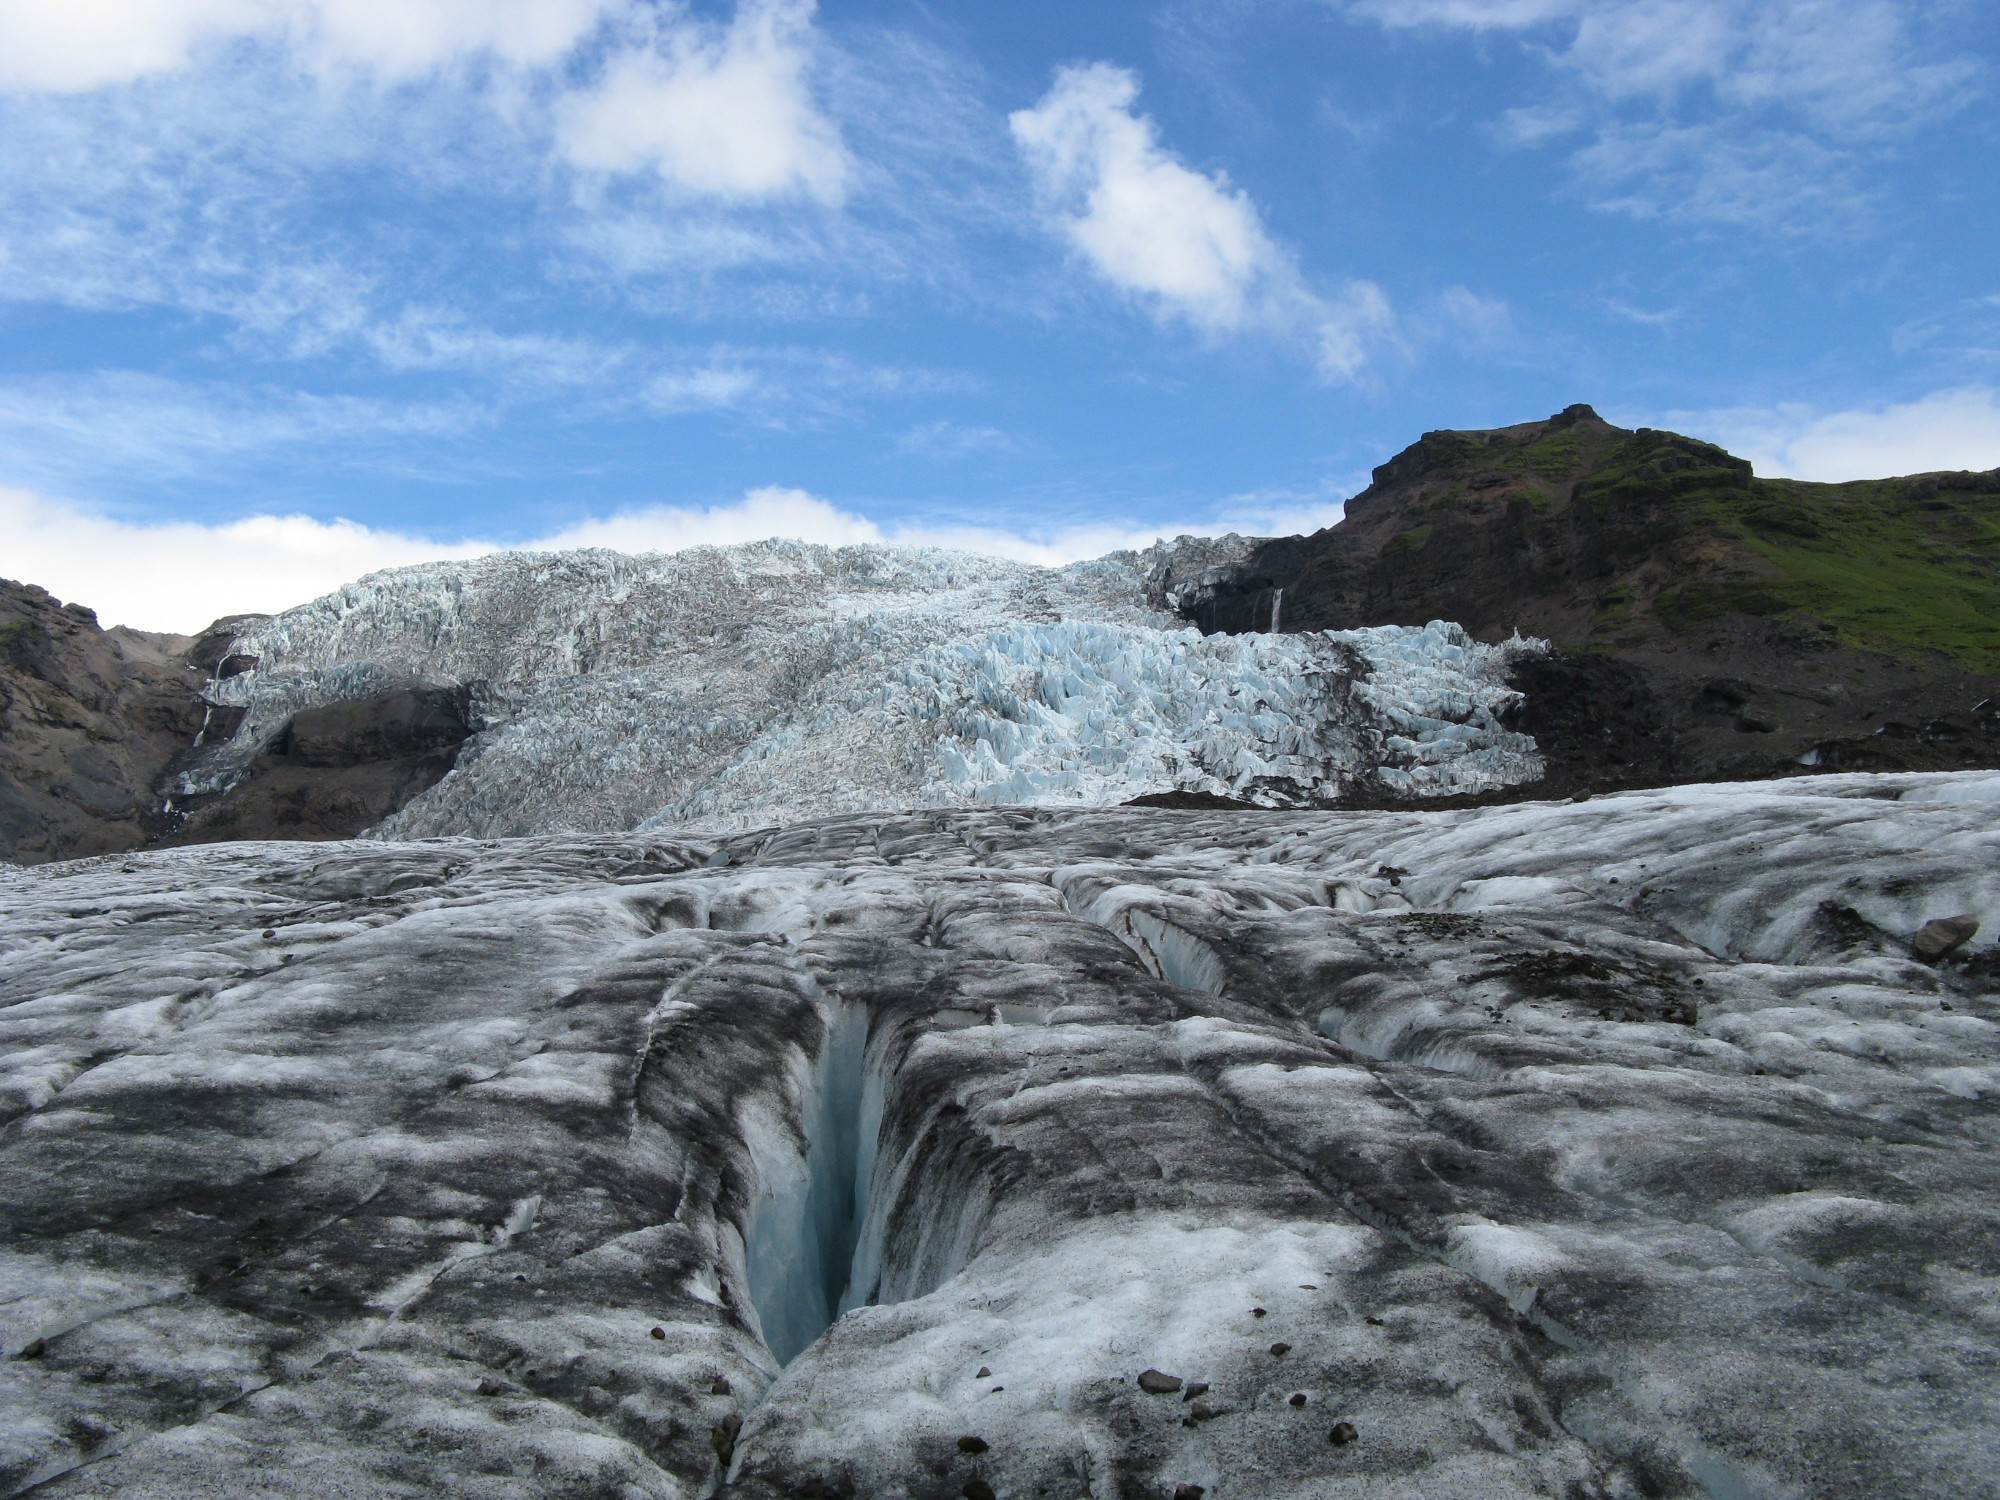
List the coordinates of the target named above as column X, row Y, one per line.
column 90, row 719
column 1943, row 935
column 338, row 769
column 97, row 725
column 1709, row 623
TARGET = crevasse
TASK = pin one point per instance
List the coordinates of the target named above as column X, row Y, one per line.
column 800, row 1247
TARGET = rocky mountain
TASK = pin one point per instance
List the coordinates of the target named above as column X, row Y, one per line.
column 1642, row 1146
column 1708, row 622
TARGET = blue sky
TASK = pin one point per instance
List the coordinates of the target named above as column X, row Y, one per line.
column 292, row 289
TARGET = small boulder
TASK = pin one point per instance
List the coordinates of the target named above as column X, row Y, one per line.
column 1188, row 1492
column 659, row 1333
column 1158, row 1382
column 1195, row 1388
column 722, row 1437
column 1343, row 1433
column 970, row 1444
column 983, row 1373
column 1280, row 1350
column 1943, row 935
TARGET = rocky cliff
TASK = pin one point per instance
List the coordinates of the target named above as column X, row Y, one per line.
column 98, row 727
column 90, row 720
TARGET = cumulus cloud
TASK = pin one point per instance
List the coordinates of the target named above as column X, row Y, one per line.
column 84, row 44
column 1184, row 242
column 1951, row 429
column 724, row 111
column 179, row 576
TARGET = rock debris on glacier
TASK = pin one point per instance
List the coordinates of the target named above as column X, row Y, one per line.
column 1616, row 1148
column 733, row 686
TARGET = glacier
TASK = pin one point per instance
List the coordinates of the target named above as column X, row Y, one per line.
column 1617, row 1147
column 744, row 686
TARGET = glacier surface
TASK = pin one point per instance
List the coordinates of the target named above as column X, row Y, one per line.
column 1599, row 1149
column 743, row 686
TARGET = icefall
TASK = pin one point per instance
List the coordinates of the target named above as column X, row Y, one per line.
column 756, row 684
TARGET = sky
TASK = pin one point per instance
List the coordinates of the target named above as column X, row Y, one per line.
column 291, row 290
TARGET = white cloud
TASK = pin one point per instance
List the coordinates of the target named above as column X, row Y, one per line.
column 1478, row 15
column 1469, row 316
column 766, row 512
column 179, row 576
column 952, row 442
column 701, row 388
column 135, row 425
column 65, row 45
column 720, row 111
column 1953, row 429
column 1184, row 242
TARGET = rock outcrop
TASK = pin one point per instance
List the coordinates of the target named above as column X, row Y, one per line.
column 98, row 729
column 334, row 771
column 90, row 721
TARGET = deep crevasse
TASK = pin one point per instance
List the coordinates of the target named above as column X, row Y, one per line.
column 801, row 1251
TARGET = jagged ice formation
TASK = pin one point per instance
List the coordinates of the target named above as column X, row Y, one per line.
column 741, row 686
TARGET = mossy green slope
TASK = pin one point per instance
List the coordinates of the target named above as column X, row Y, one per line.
column 1896, row 565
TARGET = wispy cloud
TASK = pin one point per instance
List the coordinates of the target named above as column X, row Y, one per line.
column 76, row 46
column 73, row 433
column 1968, row 329
column 1949, row 429
column 1757, row 112
column 1183, row 242
column 207, row 168
column 952, row 442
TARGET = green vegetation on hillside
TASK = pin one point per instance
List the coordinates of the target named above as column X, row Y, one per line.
column 1897, row 565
